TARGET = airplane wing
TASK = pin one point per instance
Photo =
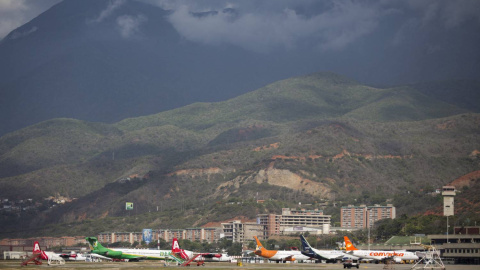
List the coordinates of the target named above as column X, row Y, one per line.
column 210, row 255
column 65, row 256
column 100, row 256
column 138, row 258
column 360, row 256
column 286, row 258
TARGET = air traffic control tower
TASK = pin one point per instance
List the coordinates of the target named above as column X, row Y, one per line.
column 448, row 193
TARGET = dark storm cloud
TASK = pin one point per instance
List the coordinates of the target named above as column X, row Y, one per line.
column 382, row 41
column 386, row 41
column 265, row 25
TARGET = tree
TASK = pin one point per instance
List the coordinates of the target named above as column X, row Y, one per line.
column 235, row 249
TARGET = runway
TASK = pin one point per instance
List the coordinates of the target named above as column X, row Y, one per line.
column 15, row 264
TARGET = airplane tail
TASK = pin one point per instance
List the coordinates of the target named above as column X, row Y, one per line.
column 177, row 250
column 259, row 245
column 305, row 245
column 38, row 250
column 94, row 244
column 348, row 244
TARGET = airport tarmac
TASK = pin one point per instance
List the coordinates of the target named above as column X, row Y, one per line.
column 213, row 266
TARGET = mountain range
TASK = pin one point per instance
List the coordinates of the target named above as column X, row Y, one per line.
column 103, row 61
column 107, row 60
column 319, row 139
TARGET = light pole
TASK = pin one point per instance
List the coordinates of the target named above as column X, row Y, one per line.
column 447, row 229
column 368, row 225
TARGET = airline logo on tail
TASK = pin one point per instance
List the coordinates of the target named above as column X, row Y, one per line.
column 92, row 242
column 259, row 244
column 305, row 244
column 348, row 244
column 177, row 250
column 36, row 250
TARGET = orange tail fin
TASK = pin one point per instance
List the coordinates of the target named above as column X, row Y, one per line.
column 259, row 245
column 348, row 244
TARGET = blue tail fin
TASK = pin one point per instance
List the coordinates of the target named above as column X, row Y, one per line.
column 305, row 245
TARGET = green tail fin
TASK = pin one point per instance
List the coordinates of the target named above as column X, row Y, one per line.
column 94, row 244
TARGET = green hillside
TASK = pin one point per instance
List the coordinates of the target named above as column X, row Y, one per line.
column 309, row 139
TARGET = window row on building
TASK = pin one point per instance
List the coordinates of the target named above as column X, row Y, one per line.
column 364, row 216
column 291, row 221
column 64, row 241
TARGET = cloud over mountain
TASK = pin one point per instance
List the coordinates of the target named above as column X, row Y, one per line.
column 328, row 25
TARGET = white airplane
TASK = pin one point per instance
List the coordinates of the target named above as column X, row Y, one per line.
column 279, row 255
column 73, row 256
column 330, row 255
column 51, row 257
column 214, row 257
column 133, row 254
column 200, row 258
column 379, row 255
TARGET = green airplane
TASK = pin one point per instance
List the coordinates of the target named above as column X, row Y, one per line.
column 129, row 253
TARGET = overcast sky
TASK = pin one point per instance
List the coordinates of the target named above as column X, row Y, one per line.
column 261, row 25
column 434, row 31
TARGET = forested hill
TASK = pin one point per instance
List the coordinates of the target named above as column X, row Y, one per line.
column 314, row 139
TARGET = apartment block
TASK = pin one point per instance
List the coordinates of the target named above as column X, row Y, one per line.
column 238, row 231
column 281, row 224
column 209, row 235
column 364, row 216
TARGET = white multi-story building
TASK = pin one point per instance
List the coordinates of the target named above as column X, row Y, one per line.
column 238, row 231
column 291, row 218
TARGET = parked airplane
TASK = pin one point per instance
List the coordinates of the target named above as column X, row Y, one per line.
column 189, row 256
column 73, row 256
column 51, row 257
column 182, row 253
column 379, row 255
column 129, row 253
column 215, row 257
column 331, row 255
column 279, row 255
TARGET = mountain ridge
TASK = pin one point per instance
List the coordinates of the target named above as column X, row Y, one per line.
column 231, row 149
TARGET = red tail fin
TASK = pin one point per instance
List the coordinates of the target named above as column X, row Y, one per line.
column 348, row 244
column 177, row 250
column 175, row 246
column 36, row 248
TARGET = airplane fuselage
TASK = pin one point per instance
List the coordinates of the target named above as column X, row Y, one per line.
column 283, row 255
column 384, row 254
column 320, row 254
column 135, row 254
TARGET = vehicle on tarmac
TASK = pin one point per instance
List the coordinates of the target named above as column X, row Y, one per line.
column 349, row 263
